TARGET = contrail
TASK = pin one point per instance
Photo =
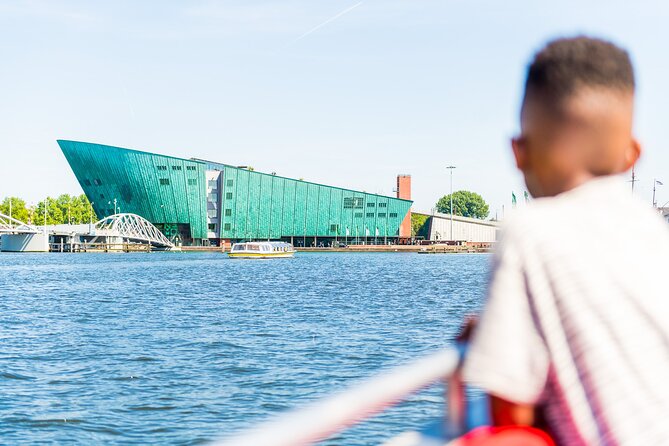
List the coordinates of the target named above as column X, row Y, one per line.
column 331, row 19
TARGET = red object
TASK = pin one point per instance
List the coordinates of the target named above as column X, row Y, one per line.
column 404, row 191
column 505, row 436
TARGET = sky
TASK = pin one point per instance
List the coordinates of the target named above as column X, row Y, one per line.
column 342, row 92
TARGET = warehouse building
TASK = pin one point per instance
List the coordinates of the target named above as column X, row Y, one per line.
column 471, row 230
column 198, row 202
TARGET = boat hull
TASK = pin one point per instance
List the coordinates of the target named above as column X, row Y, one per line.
column 261, row 255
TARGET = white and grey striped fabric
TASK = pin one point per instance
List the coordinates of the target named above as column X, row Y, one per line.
column 577, row 316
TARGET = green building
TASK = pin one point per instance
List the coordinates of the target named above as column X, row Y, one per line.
column 200, row 202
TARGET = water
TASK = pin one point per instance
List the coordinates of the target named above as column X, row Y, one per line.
column 181, row 348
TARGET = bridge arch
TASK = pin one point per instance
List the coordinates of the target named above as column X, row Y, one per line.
column 132, row 227
column 10, row 225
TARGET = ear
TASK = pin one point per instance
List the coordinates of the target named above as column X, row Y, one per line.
column 519, row 152
column 631, row 155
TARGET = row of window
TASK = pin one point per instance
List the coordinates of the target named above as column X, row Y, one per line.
column 96, row 181
column 166, row 181
column 228, row 227
column 228, row 213
column 176, row 167
column 353, row 202
column 380, row 215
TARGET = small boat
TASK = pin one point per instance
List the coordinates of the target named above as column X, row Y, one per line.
column 262, row 250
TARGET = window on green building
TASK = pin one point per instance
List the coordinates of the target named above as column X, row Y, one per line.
column 383, row 205
column 382, row 215
column 228, row 212
column 393, row 215
column 190, row 167
column 161, row 167
column 87, row 182
column 227, row 227
column 176, row 167
column 229, row 183
column 353, row 202
column 371, row 205
column 370, row 214
column 334, row 228
column 228, row 196
column 97, row 181
column 164, row 181
column 212, row 227
column 358, row 215
column 192, row 182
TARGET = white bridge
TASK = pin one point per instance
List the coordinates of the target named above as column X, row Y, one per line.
column 133, row 228
column 9, row 225
column 115, row 229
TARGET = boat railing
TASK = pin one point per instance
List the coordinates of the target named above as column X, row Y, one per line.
column 326, row 417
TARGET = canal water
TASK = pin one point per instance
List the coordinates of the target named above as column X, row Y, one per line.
column 184, row 348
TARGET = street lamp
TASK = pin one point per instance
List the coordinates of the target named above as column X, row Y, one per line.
column 451, row 169
column 656, row 183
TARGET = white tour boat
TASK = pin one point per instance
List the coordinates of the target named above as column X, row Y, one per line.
column 262, row 250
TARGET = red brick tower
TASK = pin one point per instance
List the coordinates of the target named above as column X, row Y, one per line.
column 404, row 191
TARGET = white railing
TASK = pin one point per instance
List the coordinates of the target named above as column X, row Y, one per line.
column 324, row 418
column 13, row 226
column 132, row 226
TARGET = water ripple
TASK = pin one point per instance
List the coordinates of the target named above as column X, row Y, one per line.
column 185, row 348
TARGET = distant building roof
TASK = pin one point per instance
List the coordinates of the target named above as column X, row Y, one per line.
column 459, row 218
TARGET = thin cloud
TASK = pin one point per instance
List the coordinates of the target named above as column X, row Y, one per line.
column 331, row 19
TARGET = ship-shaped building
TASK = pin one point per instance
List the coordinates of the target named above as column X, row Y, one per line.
column 198, row 202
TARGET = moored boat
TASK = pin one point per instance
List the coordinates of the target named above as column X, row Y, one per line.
column 261, row 250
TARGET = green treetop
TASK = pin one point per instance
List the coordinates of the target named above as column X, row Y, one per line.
column 17, row 209
column 465, row 204
column 64, row 209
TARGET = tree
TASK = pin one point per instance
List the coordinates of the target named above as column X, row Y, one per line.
column 54, row 214
column 418, row 225
column 64, row 209
column 465, row 204
column 75, row 210
column 18, row 209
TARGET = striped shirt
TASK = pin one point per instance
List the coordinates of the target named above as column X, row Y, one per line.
column 577, row 317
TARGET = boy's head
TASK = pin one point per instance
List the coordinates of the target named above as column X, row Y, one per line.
column 576, row 116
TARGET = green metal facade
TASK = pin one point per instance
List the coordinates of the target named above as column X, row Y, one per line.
column 162, row 189
column 250, row 205
column 258, row 205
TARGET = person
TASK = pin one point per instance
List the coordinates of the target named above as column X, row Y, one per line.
column 575, row 330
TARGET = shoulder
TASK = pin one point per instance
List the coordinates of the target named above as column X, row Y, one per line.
column 532, row 221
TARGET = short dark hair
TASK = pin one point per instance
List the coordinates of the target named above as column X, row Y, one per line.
column 565, row 65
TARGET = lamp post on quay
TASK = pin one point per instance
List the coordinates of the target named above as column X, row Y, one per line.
column 451, row 169
column 656, row 183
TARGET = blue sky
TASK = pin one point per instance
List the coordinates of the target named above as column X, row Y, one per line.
column 343, row 92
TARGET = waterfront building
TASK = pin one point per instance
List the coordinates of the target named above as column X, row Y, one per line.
column 438, row 228
column 198, row 202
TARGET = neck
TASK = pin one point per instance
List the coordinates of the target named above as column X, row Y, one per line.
column 566, row 184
